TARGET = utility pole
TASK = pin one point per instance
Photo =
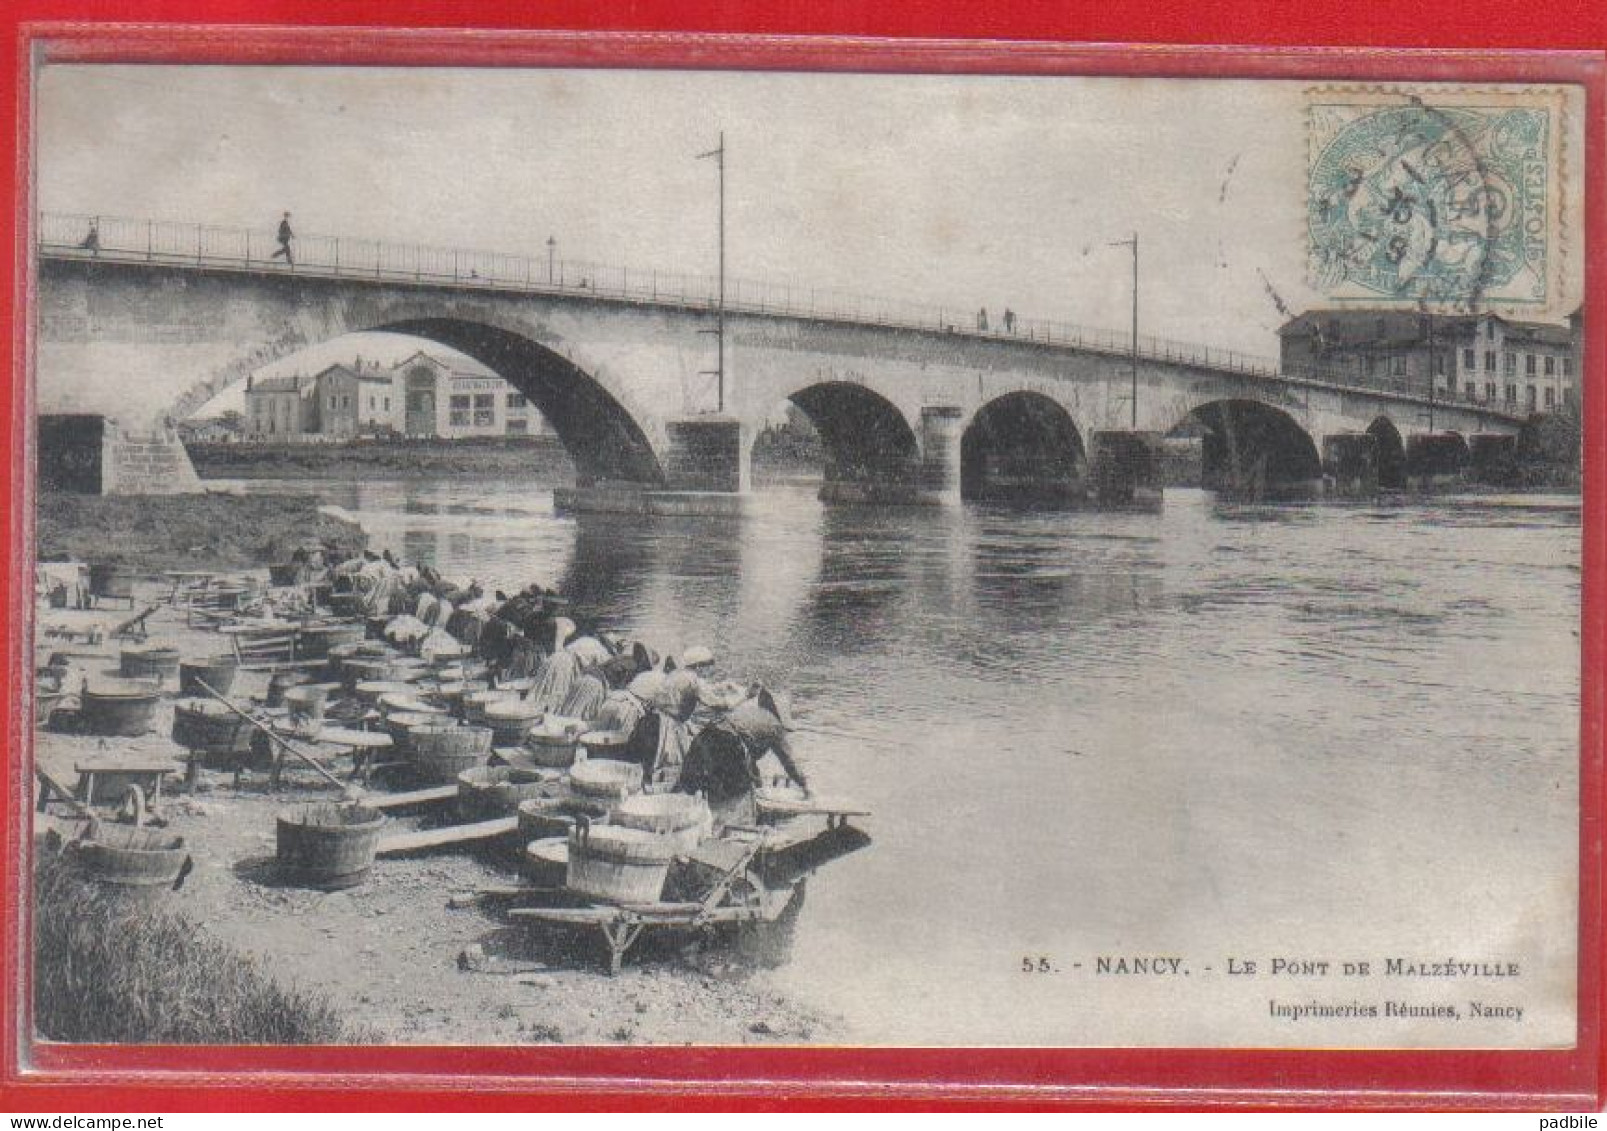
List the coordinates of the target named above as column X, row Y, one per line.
column 1133, row 243
column 1431, row 359
column 718, row 154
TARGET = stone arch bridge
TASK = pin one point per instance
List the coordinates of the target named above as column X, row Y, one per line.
column 910, row 403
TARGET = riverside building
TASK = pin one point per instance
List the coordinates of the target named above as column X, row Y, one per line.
column 420, row 397
column 1473, row 359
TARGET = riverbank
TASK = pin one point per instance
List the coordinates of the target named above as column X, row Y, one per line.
column 215, row 531
column 534, row 456
column 399, row 959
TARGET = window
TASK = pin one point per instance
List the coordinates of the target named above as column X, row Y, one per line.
column 1489, row 361
column 1551, row 397
column 517, row 400
column 1567, row 367
column 1439, row 365
column 485, row 410
column 370, row 402
column 1551, row 367
column 1489, row 390
column 1397, row 366
column 1528, row 364
column 519, row 426
column 1512, row 394
column 1469, row 360
column 1489, row 329
column 387, row 404
column 1509, row 363
column 1533, row 398
column 1472, row 391
column 459, row 416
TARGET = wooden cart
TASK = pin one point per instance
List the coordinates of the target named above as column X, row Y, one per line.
column 746, row 875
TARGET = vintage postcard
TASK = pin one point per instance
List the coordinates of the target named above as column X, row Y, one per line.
column 560, row 556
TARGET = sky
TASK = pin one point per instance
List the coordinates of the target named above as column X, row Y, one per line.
column 969, row 191
column 974, row 191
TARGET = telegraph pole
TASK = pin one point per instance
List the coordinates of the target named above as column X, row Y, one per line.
column 1431, row 371
column 718, row 154
column 1133, row 243
column 1428, row 335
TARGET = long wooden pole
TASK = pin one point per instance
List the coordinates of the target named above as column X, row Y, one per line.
column 275, row 736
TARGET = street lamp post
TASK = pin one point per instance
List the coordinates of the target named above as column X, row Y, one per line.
column 1133, row 406
column 552, row 248
column 718, row 153
column 1431, row 373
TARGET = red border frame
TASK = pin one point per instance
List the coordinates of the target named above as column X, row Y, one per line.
column 95, row 1078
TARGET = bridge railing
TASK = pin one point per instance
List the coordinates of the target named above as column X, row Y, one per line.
column 169, row 242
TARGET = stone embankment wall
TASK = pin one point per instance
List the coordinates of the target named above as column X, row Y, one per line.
column 146, row 463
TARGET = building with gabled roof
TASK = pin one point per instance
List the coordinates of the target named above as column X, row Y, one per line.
column 421, row 396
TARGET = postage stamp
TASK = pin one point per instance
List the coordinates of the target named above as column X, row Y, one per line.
column 1442, row 195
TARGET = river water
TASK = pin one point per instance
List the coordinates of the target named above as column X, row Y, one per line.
column 1324, row 733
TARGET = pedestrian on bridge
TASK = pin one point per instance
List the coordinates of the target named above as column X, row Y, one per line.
column 1009, row 321
column 91, row 242
column 982, row 319
column 285, row 236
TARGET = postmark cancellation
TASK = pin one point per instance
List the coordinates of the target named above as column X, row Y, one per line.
column 1444, row 196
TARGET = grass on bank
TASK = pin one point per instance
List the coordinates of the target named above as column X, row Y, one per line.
column 110, row 971
column 210, row 531
column 534, row 458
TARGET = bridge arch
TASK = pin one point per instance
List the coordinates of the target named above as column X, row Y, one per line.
column 1389, row 453
column 866, row 437
column 609, row 432
column 1021, row 445
column 1254, row 450
column 602, row 437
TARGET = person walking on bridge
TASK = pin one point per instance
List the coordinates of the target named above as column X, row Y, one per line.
column 285, row 236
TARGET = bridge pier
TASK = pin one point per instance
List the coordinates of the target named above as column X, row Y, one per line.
column 1350, row 465
column 1436, row 460
column 940, row 453
column 705, row 473
column 1127, row 469
column 705, row 454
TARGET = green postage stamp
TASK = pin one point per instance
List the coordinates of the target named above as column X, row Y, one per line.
column 1437, row 195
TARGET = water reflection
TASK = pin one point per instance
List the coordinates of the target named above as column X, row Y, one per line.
column 1289, row 725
